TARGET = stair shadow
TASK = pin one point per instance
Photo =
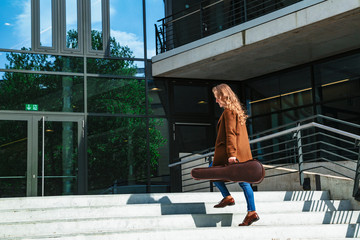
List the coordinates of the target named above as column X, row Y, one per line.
column 333, row 215
column 196, row 210
column 301, row 195
column 353, row 231
column 340, row 217
column 213, row 220
column 317, row 206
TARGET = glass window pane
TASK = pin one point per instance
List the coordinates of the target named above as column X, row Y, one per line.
column 295, row 88
column 126, row 22
column 41, row 62
column 283, row 91
column 117, row 155
column 192, row 139
column 48, row 92
column 338, row 79
column 61, row 158
column 107, row 95
column 96, row 25
column 191, row 99
column 16, row 24
column 341, row 90
column 159, row 154
column 115, row 67
column 72, row 35
column 154, row 12
column 264, row 95
column 338, row 70
column 158, row 97
column 345, row 109
column 45, row 23
column 13, row 158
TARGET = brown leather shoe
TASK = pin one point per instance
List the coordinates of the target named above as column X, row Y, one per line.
column 250, row 218
column 226, row 201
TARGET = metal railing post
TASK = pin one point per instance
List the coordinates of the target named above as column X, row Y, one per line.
column 356, row 192
column 211, row 182
column 245, row 11
column 163, row 44
column 156, row 40
column 300, row 155
column 202, row 23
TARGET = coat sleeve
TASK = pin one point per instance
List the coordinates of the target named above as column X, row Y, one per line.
column 231, row 133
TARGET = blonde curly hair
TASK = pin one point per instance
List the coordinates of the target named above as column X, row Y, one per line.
column 232, row 102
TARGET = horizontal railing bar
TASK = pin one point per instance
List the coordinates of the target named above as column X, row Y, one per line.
column 58, row 177
column 12, row 177
column 282, row 133
column 329, row 144
column 330, row 161
column 302, row 127
column 279, row 166
column 272, row 153
column 197, row 165
column 334, row 130
column 331, row 170
column 280, row 174
column 326, row 135
column 191, row 159
column 336, row 138
column 276, row 159
column 322, row 150
column 273, row 145
column 197, row 189
column 285, row 125
column 336, row 155
column 341, row 121
column 340, row 148
column 306, row 119
column 197, row 153
column 191, row 13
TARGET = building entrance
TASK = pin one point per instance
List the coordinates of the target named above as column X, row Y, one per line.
column 41, row 154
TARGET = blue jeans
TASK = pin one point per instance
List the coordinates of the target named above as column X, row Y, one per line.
column 247, row 189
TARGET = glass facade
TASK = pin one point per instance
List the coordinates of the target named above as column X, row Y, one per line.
column 86, row 114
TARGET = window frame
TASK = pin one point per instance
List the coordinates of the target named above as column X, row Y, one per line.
column 58, row 11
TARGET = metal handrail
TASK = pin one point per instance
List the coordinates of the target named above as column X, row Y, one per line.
column 275, row 135
column 305, row 120
column 303, row 154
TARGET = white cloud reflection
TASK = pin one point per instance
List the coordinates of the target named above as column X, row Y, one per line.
column 131, row 40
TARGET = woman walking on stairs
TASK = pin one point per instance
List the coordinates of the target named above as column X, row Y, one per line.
column 232, row 145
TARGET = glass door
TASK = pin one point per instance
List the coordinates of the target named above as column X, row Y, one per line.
column 59, row 151
column 192, row 137
column 189, row 138
column 14, row 144
column 41, row 155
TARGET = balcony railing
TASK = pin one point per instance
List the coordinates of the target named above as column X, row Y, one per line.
column 319, row 144
column 212, row 16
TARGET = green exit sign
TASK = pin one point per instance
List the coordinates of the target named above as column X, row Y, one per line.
column 31, row 107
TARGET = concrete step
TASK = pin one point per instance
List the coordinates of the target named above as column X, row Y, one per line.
column 136, row 210
column 325, row 231
column 171, row 222
column 123, row 199
column 283, row 215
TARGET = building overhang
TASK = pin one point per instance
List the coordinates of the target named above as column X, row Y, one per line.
column 245, row 51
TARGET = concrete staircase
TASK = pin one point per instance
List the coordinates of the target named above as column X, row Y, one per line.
column 172, row 216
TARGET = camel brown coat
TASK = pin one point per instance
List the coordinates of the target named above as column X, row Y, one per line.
column 232, row 139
